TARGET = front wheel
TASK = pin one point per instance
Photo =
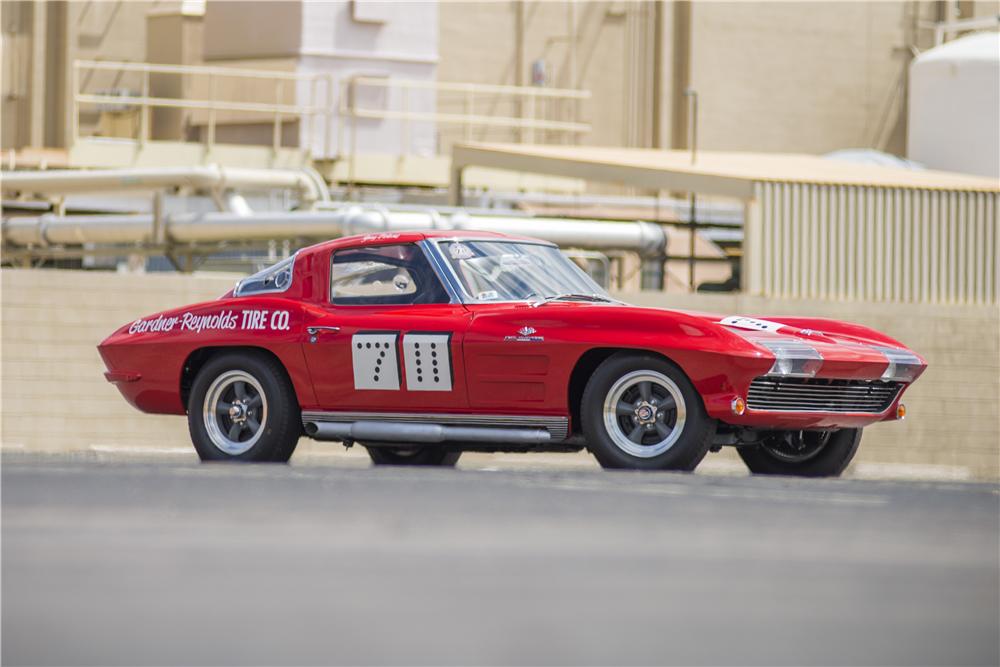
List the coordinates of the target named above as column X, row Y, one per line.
column 641, row 412
column 803, row 453
column 243, row 407
column 413, row 456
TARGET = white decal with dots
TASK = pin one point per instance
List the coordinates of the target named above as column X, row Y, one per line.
column 376, row 365
column 427, row 360
column 750, row 323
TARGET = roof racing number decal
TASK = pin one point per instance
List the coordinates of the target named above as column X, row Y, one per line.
column 750, row 323
column 426, row 361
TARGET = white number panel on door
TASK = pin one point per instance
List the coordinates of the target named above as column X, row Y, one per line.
column 376, row 363
column 427, row 360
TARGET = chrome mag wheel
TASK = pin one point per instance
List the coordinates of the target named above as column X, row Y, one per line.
column 235, row 412
column 644, row 413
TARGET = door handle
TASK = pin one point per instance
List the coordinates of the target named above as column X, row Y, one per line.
column 315, row 331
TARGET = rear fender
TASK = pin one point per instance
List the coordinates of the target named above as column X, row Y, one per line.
column 159, row 347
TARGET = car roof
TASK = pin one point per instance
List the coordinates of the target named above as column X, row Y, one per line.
column 413, row 236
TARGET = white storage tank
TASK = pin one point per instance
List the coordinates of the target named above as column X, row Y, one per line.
column 954, row 106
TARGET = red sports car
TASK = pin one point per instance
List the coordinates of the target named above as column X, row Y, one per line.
column 422, row 345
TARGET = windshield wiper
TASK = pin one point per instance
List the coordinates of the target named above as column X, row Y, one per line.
column 573, row 296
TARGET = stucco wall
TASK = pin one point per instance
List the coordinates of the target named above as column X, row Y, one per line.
column 54, row 396
column 802, row 77
column 479, row 43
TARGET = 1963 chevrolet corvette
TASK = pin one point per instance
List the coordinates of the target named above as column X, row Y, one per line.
column 422, row 345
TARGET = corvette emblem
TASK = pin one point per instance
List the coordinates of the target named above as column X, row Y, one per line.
column 524, row 335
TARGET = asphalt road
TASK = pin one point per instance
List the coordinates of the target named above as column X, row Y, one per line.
column 139, row 563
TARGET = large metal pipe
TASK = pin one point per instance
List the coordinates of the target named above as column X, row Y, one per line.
column 78, row 230
column 68, row 181
column 646, row 239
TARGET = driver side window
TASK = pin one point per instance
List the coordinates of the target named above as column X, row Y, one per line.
column 384, row 275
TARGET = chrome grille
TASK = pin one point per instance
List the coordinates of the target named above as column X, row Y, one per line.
column 821, row 395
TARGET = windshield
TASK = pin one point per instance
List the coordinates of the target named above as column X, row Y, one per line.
column 515, row 271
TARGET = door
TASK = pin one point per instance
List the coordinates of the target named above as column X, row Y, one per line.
column 388, row 340
column 510, row 363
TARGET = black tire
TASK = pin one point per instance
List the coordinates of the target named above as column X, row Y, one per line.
column 279, row 425
column 413, row 456
column 685, row 450
column 823, row 454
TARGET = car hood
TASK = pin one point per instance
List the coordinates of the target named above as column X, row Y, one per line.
column 843, row 349
column 838, row 347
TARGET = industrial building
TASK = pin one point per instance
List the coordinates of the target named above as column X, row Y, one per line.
column 409, row 79
column 840, row 158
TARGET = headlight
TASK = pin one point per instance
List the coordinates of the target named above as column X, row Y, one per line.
column 793, row 358
column 903, row 365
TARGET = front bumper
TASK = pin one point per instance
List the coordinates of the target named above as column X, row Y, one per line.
column 793, row 404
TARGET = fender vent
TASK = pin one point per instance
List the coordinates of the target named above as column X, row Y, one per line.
column 821, row 395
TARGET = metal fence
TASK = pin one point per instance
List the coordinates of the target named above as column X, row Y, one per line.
column 873, row 244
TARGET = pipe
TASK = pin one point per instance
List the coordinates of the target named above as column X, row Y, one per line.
column 647, row 239
column 66, row 181
column 77, row 229
column 371, row 431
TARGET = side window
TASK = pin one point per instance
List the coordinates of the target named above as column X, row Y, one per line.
column 275, row 278
column 391, row 274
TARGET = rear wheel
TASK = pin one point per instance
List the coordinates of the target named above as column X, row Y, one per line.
column 243, row 407
column 413, row 456
column 641, row 412
column 803, row 453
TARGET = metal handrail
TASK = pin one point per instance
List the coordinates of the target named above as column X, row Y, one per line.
column 456, row 86
column 176, row 103
column 145, row 101
column 473, row 119
column 944, row 28
column 319, row 106
column 157, row 68
column 527, row 96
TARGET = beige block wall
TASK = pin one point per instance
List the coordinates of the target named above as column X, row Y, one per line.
column 54, row 396
column 53, row 390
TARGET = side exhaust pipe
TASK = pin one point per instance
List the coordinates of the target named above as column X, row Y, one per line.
column 372, row 431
